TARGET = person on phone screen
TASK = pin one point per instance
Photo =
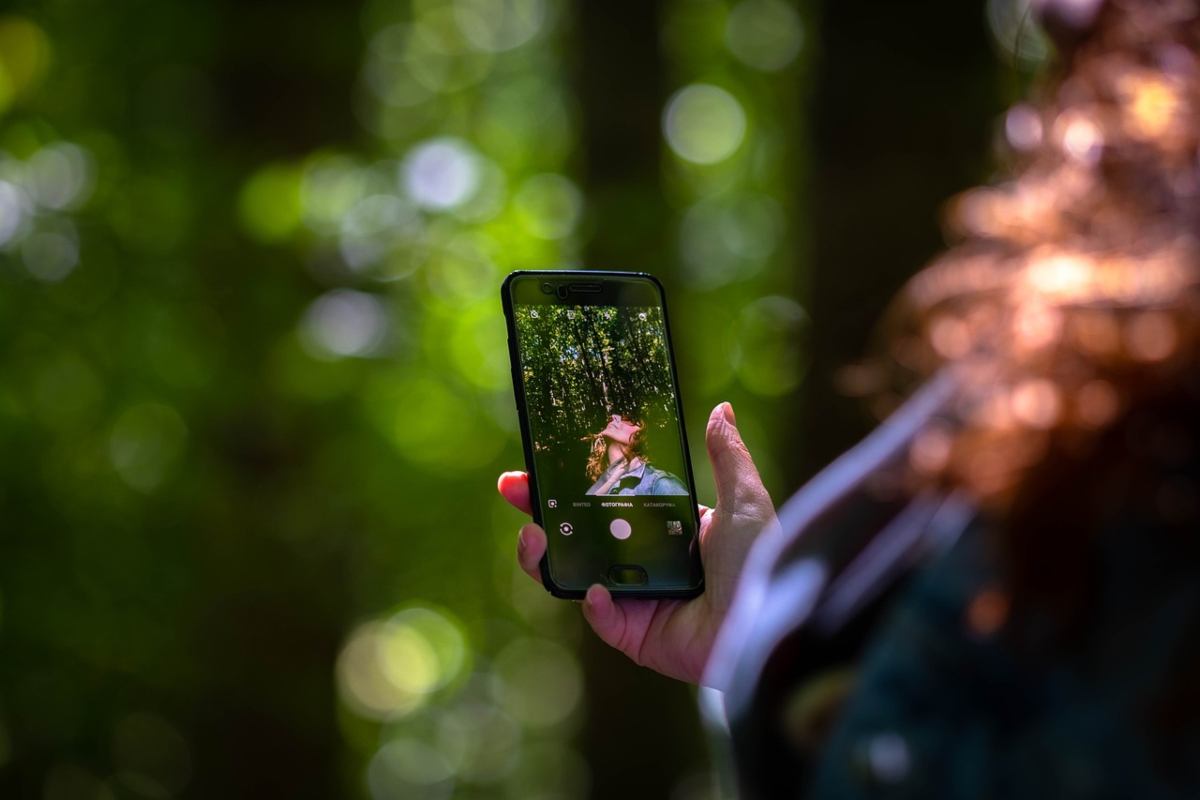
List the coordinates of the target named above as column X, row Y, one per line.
column 618, row 463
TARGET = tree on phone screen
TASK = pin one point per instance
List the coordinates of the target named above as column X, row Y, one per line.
column 583, row 364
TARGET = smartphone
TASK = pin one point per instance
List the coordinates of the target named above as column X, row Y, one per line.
column 610, row 478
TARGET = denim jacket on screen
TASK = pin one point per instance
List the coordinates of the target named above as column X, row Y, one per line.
column 644, row 479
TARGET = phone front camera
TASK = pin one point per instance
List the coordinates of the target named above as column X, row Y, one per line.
column 548, row 288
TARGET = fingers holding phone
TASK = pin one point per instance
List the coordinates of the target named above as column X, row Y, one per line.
column 531, row 546
column 514, row 486
column 674, row 637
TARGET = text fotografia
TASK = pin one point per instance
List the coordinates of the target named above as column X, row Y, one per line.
column 615, row 504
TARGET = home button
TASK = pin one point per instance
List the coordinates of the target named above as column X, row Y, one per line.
column 628, row 575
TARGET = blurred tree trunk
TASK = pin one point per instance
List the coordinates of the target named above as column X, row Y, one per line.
column 619, row 75
column 265, row 721
column 889, row 148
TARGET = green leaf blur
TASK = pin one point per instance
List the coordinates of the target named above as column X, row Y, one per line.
column 256, row 391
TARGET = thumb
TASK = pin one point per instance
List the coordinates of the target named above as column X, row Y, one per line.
column 606, row 617
column 731, row 462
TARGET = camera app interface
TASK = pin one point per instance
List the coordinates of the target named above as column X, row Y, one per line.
column 607, row 442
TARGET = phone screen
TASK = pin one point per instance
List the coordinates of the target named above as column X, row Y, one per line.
column 603, row 420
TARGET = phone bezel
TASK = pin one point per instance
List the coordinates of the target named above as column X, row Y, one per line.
column 660, row 296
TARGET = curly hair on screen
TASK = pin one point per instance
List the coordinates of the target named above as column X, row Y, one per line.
column 598, row 462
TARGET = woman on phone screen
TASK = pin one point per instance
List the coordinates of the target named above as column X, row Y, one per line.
column 618, row 463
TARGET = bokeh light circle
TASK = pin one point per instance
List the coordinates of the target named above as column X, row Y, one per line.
column 50, row 256
column 330, row 187
column 481, row 741
column 59, row 176
column 25, row 56
column 270, row 204
column 362, row 684
column 373, row 226
column 764, row 34
column 409, row 769
column 549, row 206
column 14, row 211
column 498, row 25
column 704, row 124
column 441, row 174
column 537, row 681
column 385, row 71
column 729, row 238
column 425, row 650
column 145, row 443
column 344, row 322
column 389, row 668
column 438, row 54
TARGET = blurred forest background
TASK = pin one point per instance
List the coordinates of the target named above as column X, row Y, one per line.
column 582, row 365
column 255, row 391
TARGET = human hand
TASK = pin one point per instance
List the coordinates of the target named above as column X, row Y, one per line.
column 675, row 637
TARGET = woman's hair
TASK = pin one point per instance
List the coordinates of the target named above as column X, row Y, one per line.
column 1069, row 312
column 598, row 457
column 1071, row 298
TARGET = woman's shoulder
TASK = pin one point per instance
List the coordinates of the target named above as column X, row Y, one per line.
column 946, row 682
column 659, row 481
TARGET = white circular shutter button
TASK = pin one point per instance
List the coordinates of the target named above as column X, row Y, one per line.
column 620, row 529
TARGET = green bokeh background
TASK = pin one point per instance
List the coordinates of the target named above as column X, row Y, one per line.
column 255, row 391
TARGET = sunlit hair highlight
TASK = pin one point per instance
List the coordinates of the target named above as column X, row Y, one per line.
column 598, row 457
column 1071, row 292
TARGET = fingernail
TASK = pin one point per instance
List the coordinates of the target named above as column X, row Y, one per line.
column 521, row 543
column 727, row 412
column 593, row 593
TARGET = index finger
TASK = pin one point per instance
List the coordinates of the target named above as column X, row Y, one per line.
column 514, row 486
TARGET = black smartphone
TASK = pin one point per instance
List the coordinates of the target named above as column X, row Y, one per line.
column 610, row 478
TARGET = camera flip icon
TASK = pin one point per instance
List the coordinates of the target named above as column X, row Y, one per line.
column 566, row 528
